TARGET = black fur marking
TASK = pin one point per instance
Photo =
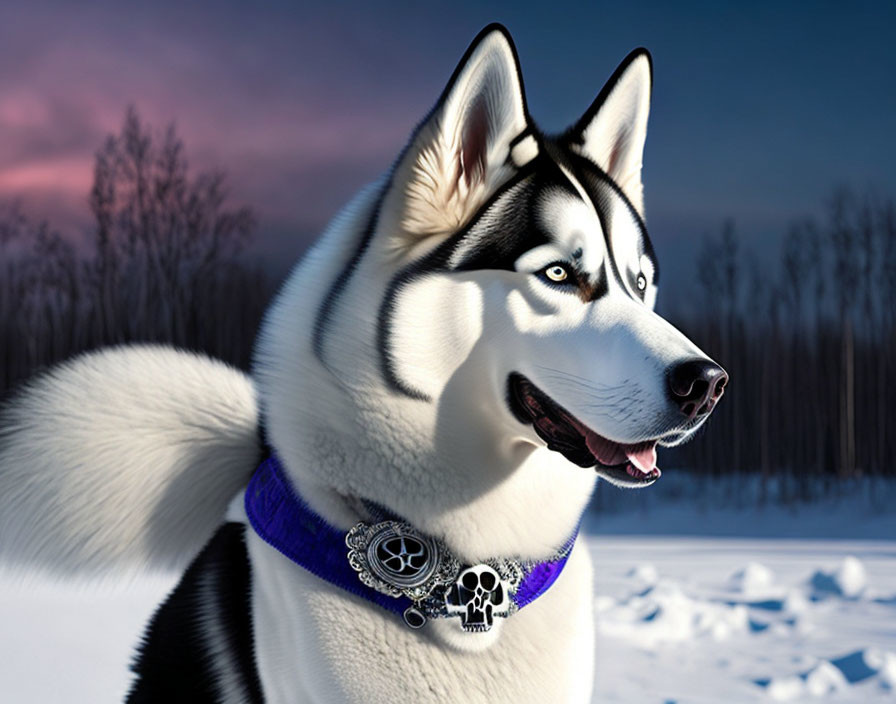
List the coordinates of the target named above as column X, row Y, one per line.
column 601, row 189
column 497, row 251
column 521, row 233
column 578, row 281
column 600, row 287
column 520, row 230
column 498, row 246
column 384, row 335
column 648, row 252
column 174, row 663
column 575, row 136
column 525, row 134
column 332, row 297
column 264, row 447
column 632, row 277
column 330, row 300
column 530, row 131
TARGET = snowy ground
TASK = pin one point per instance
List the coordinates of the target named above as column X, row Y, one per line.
column 701, row 596
column 695, row 603
column 737, row 620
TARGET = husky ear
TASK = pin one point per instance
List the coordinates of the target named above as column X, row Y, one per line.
column 467, row 146
column 612, row 131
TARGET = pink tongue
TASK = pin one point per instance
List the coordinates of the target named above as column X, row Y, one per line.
column 642, row 456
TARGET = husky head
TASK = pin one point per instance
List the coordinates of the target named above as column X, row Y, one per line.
column 473, row 340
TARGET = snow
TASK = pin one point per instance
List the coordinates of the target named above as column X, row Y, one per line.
column 704, row 594
column 698, row 600
column 753, row 580
column 848, row 580
column 71, row 643
column 741, row 620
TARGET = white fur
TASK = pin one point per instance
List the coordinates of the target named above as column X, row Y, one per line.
column 125, row 457
column 524, row 151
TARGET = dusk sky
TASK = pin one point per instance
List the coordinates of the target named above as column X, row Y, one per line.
column 759, row 109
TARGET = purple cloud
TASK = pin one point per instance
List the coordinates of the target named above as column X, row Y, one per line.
column 286, row 108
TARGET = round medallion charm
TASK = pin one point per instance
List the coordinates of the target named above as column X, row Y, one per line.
column 400, row 559
column 395, row 559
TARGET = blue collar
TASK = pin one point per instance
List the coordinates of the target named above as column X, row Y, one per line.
column 391, row 564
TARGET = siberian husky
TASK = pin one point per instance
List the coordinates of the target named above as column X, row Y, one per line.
column 435, row 391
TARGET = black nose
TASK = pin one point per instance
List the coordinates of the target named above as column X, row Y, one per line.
column 696, row 386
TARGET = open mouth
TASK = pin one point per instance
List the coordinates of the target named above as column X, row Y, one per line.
column 624, row 465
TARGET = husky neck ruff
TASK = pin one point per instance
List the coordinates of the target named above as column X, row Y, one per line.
column 393, row 565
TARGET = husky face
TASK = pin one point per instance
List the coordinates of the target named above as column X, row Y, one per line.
column 559, row 278
column 495, row 320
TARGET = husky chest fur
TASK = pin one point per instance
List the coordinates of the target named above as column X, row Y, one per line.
column 443, row 378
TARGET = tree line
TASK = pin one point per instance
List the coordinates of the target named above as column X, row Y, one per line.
column 163, row 264
column 808, row 342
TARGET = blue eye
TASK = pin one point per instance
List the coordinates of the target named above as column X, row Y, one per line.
column 642, row 282
column 556, row 273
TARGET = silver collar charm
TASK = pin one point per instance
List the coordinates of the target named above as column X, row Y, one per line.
column 395, row 559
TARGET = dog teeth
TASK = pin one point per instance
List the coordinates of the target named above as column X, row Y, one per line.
column 636, row 473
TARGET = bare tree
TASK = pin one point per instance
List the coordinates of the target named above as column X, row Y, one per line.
column 845, row 276
column 809, row 350
column 163, row 266
column 165, row 234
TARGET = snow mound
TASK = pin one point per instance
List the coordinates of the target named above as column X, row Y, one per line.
column 849, row 580
column 645, row 575
column 887, row 671
column 786, row 689
column 820, row 681
column 795, row 602
column 752, row 581
column 665, row 614
column 836, row 677
column 867, row 664
column 824, row 679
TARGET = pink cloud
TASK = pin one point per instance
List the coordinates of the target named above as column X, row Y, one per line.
column 63, row 175
column 296, row 137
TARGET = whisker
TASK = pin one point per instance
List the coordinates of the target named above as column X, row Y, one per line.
column 566, row 376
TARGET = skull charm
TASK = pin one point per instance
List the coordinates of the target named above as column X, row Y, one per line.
column 477, row 597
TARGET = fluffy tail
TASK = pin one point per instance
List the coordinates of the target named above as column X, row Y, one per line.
column 125, row 458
